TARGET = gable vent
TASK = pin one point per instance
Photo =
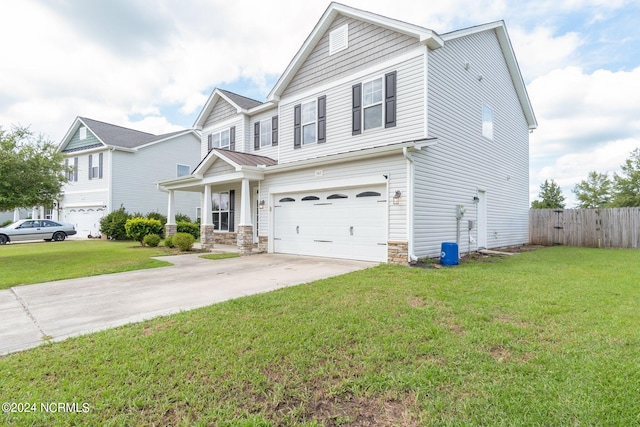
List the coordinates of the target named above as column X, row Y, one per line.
column 339, row 39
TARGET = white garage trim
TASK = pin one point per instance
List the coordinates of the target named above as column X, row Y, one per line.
column 329, row 184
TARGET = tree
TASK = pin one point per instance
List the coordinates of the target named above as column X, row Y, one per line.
column 32, row 171
column 550, row 195
column 594, row 192
column 626, row 185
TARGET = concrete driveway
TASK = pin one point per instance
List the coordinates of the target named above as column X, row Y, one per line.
column 57, row 310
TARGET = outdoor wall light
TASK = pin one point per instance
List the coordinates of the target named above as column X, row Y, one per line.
column 262, row 204
column 396, row 197
column 476, row 199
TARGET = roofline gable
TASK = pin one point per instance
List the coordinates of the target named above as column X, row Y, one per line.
column 500, row 29
column 72, row 131
column 218, row 94
column 169, row 136
column 426, row 36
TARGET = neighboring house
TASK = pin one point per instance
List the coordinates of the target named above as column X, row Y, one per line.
column 380, row 141
column 113, row 166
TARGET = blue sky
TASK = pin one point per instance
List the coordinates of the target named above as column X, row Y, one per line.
column 151, row 64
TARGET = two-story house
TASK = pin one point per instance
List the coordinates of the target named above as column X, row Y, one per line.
column 380, row 141
column 113, row 166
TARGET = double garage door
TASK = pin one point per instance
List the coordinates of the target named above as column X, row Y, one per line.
column 346, row 223
column 86, row 220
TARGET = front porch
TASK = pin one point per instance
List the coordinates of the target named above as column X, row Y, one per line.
column 231, row 203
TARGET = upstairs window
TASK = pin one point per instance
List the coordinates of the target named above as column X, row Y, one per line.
column 265, row 133
column 183, row 170
column 72, row 170
column 374, row 104
column 487, row 122
column 309, row 117
column 225, row 139
column 310, row 122
column 95, row 166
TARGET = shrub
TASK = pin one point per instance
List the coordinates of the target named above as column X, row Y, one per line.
column 7, row 222
column 152, row 240
column 182, row 218
column 168, row 242
column 158, row 216
column 184, row 241
column 188, row 227
column 138, row 227
column 113, row 225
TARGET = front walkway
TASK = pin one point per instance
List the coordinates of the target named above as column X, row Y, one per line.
column 57, row 310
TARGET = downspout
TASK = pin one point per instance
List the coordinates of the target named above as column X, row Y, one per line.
column 407, row 155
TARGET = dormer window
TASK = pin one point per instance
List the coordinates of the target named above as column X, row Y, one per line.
column 339, row 39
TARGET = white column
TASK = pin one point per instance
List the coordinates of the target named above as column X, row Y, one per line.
column 171, row 214
column 41, row 212
column 34, row 214
column 245, row 204
column 16, row 214
column 206, row 219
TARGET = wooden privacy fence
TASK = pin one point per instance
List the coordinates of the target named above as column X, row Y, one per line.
column 594, row 228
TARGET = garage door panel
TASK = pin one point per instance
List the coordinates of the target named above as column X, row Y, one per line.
column 338, row 224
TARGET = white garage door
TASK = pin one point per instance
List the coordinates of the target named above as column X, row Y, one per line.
column 86, row 220
column 347, row 224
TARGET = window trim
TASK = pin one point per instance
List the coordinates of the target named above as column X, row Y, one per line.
column 82, row 133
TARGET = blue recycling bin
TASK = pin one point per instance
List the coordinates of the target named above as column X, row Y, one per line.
column 449, row 253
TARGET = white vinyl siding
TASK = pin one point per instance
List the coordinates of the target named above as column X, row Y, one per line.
column 409, row 117
column 135, row 176
column 464, row 162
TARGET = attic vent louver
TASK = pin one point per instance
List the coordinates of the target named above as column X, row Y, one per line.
column 339, row 39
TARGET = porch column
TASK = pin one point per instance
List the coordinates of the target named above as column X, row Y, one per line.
column 16, row 214
column 245, row 228
column 41, row 213
column 170, row 228
column 34, row 214
column 206, row 221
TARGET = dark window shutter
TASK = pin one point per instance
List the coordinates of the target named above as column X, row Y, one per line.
column 90, row 161
column 256, row 135
column 390, row 100
column 232, row 209
column 232, row 138
column 209, row 143
column 100, row 165
column 356, row 109
column 297, row 128
column 274, row 130
column 322, row 119
column 75, row 169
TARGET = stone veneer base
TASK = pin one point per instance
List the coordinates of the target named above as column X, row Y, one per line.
column 397, row 252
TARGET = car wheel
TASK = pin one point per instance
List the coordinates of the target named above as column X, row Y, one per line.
column 59, row 236
column 3, row 239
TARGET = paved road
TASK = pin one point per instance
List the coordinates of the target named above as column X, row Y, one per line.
column 58, row 310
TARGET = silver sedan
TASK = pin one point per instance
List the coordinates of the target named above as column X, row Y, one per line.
column 36, row 229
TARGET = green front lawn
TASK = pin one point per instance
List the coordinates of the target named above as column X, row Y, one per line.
column 27, row 263
column 541, row 338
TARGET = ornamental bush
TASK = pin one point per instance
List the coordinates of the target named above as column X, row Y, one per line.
column 137, row 228
column 188, row 227
column 184, row 241
column 151, row 240
column 113, row 225
column 168, row 242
